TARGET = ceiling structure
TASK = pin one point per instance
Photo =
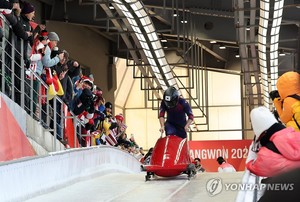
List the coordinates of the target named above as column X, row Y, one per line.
column 203, row 33
column 208, row 20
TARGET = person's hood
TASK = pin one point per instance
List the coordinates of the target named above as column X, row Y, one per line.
column 288, row 84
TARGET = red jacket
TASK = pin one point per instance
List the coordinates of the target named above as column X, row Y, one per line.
column 269, row 163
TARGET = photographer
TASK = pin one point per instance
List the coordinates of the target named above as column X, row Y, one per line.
column 62, row 71
column 83, row 82
column 286, row 99
column 74, row 69
column 82, row 103
column 47, row 60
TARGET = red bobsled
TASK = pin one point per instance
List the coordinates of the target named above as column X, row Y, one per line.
column 170, row 158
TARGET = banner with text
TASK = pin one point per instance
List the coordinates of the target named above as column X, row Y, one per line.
column 234, row 152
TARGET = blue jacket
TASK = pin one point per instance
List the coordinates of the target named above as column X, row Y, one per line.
column 177, row 116
column 47, row 61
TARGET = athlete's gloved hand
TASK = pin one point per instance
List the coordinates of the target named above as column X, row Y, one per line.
column 186, row 128
column 162, row 130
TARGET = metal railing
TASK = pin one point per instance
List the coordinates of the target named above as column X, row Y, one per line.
column 28, row 92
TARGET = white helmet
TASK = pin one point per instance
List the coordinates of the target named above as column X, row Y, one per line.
column 261, row 119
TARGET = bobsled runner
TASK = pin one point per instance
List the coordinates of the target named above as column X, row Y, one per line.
column 170, row 158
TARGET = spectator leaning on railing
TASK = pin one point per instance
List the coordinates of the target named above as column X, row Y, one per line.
column 48, row 62
column 41, row 54
column 20, row 19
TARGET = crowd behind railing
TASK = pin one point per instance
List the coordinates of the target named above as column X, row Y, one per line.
column 50, row 86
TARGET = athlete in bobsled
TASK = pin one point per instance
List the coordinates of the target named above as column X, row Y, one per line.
column 177, row 109
column 170, row 155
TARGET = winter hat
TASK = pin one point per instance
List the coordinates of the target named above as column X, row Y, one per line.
column 88, row 81
column 27, row 8
column 108, row 105
column 262, row 119
column 53, row 36
column 120, row 117
column 43, row 35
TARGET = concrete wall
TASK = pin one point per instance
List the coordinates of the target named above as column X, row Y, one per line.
column 26, row 178
column 41, row 140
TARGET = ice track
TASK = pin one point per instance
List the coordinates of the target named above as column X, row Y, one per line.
column 132, row 187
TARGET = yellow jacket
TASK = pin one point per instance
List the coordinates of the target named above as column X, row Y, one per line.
column 287, row 84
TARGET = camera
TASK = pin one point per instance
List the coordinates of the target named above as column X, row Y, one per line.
column 274, row 94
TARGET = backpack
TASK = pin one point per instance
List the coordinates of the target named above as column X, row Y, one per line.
column 296, row 111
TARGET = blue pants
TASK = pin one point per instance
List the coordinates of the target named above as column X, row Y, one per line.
column 175, row 130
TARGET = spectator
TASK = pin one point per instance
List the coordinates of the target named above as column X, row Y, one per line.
column 121, row 127
column 37, row 67
column 198, row 165
column 83, row 103
column 7, row 6
column 106, row 122
column 67, row 85
column 74, row 69
column 121, row 132
column 224, row 166
column 47, row 60
column 108, row 109
column 177, row 108
column 123, row 140
column 37, row 29
column 83, row 82
column 142, row 151
column 99, row 108
column 132, row 140
column 87, row 118
column 11, row 9
column 83, row 106
column 277, row 147
column 76, row 78
column 147, row 157
column 136, row 153
column 113, row 129
column 23, row 34
column 61, row 70
column 99, row 99
column 288, row 94
column 27, row 15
